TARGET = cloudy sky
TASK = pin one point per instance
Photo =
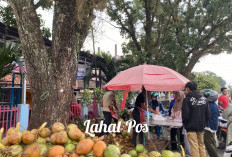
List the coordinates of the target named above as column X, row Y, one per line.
column 107, row 36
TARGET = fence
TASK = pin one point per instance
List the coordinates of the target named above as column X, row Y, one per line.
column 8, row 117
column 75, row 111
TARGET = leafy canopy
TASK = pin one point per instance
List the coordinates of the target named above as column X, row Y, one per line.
column 173, row 33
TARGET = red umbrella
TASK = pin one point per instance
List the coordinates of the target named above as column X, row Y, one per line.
column 152, row 77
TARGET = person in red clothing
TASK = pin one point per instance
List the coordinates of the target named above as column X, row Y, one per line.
column 223, row 99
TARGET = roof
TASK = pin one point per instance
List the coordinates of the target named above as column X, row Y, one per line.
column 11, row 34
column 8, row 80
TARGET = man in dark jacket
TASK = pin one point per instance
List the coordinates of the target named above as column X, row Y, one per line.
column 195, row 114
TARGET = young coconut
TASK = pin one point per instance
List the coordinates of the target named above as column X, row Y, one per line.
column 31, row 150
column 99, row 148
column 43, row 149
column 73, row 154
column 16, row 150
column 1, row 145
column 70, row 147
column 41, row 140
column 71, row 126
column 75, row 134
column 56, row 151
column 15, row 138
column 10, row 131
column 28, row 137
column 84, row 147
column 57, row 127
column 53, row 138
column 45, row 132
column 61, row 137
column 5, row 141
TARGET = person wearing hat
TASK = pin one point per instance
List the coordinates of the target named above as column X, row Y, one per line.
column 212, row 124
column 158, row 108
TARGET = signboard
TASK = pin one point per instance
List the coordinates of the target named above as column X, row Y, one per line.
column 81, row 72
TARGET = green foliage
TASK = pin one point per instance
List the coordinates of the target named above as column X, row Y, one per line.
column 209, row 80
column 98, row 94
column 8, row 54
column 86, row 97
column 175, row 34
column 109, row 68
column 6, row 16
column 119, row 97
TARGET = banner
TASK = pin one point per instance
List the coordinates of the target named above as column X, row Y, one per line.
column 81, row 72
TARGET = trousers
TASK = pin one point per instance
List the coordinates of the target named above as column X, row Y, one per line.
column 196, row 141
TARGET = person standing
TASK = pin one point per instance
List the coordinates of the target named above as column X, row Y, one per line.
column 212, row 124
column 107, row 100
column 139, row 115
column 223, row 100
column 195, row 114
column 176, row 114
column 171, row 106
column 157, row 106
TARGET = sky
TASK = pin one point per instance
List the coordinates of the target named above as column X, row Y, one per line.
column 107, row 36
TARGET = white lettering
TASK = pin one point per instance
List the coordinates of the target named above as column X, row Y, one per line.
column 131, row 124
column 87, row 123
column 113, row 126
column 119, row 126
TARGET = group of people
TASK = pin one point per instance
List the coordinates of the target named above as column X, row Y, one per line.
column 198, row 111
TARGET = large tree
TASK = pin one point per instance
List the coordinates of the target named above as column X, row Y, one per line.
column 53, row 70
column 209, row 80
column 174, row 33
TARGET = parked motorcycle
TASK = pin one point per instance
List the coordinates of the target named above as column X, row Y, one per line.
column 222, row 133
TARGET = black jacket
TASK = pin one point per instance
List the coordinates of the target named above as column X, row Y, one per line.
column 195, row 112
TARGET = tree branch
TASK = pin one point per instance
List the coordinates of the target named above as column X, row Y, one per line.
column 196, row 56
column 208, row 36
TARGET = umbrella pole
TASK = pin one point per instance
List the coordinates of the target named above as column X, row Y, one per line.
column 147, row 116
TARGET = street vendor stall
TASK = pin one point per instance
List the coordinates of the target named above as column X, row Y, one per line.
column 149, row 77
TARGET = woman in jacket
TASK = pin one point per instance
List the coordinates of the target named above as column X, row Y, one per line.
column 176, row 114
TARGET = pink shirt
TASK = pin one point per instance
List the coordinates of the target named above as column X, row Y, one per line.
column 176, row 115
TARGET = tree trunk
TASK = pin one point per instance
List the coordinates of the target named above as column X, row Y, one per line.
column 51, row 71
column 148, row 30
column 192, row 62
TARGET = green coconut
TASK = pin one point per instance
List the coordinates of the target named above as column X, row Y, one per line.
column 154, row 154
column 143, row 155
column 133, row 153
column 41, row 140
column 90, row 154
column 112, row 151
column 125, row 155
column 167, row 153
column 16, row 150
column 70, row 147
column 145, row 151
column 139, row 148
column 43, row 149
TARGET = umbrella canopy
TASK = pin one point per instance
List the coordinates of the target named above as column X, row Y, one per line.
column 151, row 77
